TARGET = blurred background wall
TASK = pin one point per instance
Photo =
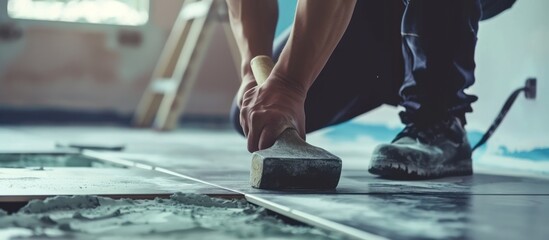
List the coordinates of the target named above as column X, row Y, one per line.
column 85, row 67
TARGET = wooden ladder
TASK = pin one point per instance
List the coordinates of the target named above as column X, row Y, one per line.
column 175, row 74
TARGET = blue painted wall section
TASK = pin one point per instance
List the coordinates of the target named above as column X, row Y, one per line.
column 286, row 12
column 536, row 154
column 351, row 131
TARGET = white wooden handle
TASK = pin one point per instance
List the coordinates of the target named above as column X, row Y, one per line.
column 261, row 68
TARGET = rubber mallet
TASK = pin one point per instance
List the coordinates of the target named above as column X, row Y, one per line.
column 291, row 162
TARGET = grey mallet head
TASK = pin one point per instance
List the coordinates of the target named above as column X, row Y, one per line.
column 293, row 163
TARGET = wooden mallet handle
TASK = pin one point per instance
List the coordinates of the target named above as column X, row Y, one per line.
column 261, row 68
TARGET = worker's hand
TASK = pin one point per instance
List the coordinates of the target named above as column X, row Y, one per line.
column 248, row 82
column 271, row 108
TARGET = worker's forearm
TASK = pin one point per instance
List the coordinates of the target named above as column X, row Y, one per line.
column 253, row 23
column 318, row 27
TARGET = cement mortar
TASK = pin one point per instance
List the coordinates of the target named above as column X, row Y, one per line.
column 187, row 216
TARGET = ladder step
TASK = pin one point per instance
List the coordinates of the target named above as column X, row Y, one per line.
column 195, row 10
column 165, row 85
column 173, row 78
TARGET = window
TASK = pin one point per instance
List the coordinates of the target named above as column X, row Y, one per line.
column 117, row 12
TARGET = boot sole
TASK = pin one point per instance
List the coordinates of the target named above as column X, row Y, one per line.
column 397, row 173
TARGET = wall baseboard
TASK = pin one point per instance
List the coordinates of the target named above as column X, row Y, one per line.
column 56, row 116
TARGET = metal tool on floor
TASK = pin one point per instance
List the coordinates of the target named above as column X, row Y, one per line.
column 291, row 162
column 177, row 68
column 96, row 146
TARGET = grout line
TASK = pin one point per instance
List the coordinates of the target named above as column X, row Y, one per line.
column 170, row 172
column 278, row 208
column 411, row 194
column 312, row 219
column 457, row 194
column 129, row 163
column 108, row 158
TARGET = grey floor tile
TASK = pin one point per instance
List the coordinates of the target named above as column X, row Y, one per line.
column 409, row 216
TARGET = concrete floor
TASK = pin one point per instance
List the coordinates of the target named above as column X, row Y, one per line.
column 487, row 205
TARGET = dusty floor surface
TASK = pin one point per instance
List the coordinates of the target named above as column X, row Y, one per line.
column 506, row 198
column 189, row 216
column 38, row 161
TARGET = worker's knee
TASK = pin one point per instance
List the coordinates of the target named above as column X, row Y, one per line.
column 235, row 118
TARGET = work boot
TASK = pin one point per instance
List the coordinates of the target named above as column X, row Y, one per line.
column 425, row 151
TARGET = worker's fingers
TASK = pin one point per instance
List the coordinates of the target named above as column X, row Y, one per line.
column 243, row 122
column 242, row 119
column 268, row 137
column 301, row 130
column 244, row 87
column 245, row 110
column 253, row 136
